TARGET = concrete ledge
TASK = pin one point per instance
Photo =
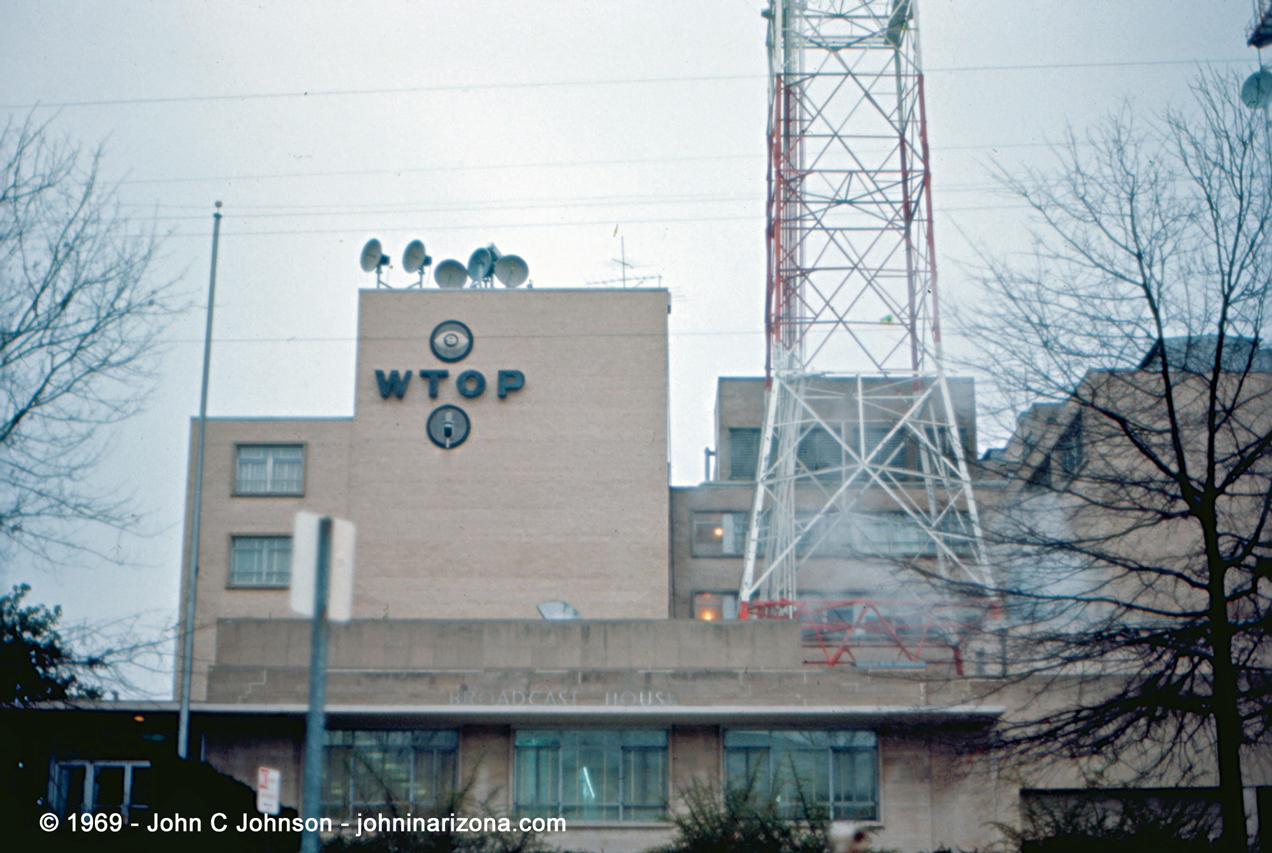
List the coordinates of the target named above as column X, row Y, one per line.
column 475, row 644
column 897, row 715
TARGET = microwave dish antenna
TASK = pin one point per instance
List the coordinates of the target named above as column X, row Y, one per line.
column 481, row 264
column 414, row 260
column 1256, row 91
column 450, row 274
column 373, row 258
column 511, row 271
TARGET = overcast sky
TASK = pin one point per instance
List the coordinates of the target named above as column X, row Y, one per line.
column 564, row 131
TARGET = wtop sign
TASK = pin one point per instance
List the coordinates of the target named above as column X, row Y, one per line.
column 451, row 341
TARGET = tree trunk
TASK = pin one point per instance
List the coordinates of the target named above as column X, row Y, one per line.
column 1224, row 707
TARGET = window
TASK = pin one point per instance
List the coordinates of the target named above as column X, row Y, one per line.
column 744, row 452
column 1041, row 476
column 1069, row 448
column 715, row 606
column 260, row 561
column 270, row 469
column 719, row 534
column 836, row 770
column 886, row 451
column 103, row 786
column 592, row 775
column 893, row 534
column 821, row 451
column 387, row 771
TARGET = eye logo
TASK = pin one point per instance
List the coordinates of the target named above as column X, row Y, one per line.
column 451, row 341
column 448, row 426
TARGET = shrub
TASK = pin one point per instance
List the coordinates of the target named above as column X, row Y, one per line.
column 459, row 802
column 738, row 821
column 1141, row 823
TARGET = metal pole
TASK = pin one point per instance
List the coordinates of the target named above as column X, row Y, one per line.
column 315, row 726
column 192, row 567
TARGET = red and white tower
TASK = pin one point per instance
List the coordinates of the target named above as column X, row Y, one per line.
column 858, row 410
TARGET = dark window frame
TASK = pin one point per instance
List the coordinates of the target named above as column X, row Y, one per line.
column 85, row 802
column 744, row 447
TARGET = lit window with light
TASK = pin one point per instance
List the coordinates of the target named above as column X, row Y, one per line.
column 719, row 534
column 715, row 606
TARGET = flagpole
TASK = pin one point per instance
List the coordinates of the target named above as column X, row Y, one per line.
column 192, row 565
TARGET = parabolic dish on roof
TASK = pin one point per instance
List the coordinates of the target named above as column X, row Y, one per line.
column 1256, row 91
column 372, row 255
column 511, row 271
column 480, row 264
column 450, row 274
column 414, row 259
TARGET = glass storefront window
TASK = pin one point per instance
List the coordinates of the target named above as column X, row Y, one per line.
column 103, row 786
column 387, row 771
column 592, row 775
column 835, row 770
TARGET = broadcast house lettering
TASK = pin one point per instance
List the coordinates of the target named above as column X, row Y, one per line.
column 622, row 699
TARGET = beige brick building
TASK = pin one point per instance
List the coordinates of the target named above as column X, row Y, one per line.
column 509, row 449
column 558, row 492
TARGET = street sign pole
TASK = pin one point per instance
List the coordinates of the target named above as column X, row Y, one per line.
column 316, row 724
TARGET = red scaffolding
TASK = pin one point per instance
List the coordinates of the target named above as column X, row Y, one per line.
column 874, row 631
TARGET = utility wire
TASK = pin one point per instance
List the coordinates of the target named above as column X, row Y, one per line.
column 451, row 168
column 642, row 81
column 757, row 217
column 937, row 150
column 556, row 204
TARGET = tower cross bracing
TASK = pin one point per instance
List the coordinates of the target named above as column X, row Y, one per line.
column 858, row 412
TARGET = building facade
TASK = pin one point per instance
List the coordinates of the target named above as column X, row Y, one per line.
column 508, row 449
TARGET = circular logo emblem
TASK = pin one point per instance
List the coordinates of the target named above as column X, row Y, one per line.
column 448, row 426
column 451, row 340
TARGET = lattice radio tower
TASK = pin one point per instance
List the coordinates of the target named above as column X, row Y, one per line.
column 853, row 361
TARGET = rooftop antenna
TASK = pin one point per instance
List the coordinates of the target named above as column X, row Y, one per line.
column 485, row 265
column 636, row 280
column 481, row 265
column 450, row 274
column 511, row 271
column 373, row 258
column 414, row 260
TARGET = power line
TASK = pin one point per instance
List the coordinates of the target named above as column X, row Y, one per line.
column 486, row 226
column 293, row 212
column 349, row 339
column 638, row 81
column 403, row 90
column 230, row 233
column 564, row 164
column 574, row 164
column 546, row 204
column 1046, row 66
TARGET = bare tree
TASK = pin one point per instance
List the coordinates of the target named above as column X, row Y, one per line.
column 79, row 320
column 1131, row 546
